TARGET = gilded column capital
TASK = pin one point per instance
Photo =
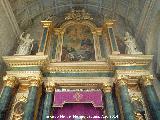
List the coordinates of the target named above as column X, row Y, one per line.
column 50, row 86
column 147, row 80
column 46, row 24
column 109, row 23
column 122, row 80
column 10, row 81
column 107, row 87
column 34, row 81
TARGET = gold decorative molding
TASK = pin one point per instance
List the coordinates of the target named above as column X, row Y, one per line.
column 79, row 82
column 18, row 108
column 10, row 81
column 130, row 60
column 147, row 80
column 22, row 61
column 78, row 67
column 78, row 15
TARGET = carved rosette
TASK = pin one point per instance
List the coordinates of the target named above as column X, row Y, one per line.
column 107, row 88
column 10, row 81
column 50, row 86
column 147, row 80
column 34, row 81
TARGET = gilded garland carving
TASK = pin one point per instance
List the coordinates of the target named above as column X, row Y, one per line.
column 18, row 108
column 78, row 15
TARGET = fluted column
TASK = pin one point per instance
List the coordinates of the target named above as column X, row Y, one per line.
column 31, row 100
column 110, row 108
column 50, row 87
column 6, row 95
column 125, row 100
column 151, row 96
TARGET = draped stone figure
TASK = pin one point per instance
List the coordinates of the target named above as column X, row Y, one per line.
column 25, row 45
column 130, row 43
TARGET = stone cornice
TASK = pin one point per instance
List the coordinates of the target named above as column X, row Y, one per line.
column 23, row 61
column 130, row 60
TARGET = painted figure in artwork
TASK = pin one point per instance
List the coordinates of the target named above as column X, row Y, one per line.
column 25, row 46
column 78, row 44
column 131, row 47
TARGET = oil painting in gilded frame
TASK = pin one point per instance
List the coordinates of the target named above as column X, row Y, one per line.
column 78, row 44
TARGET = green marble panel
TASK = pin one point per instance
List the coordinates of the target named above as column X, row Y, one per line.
column 113, row 40
column 130, row 67
column 90, row 74
column 43, row 39
column 30, row 68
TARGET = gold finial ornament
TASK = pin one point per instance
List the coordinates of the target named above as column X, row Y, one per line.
column 10, row 81
column 107, row 88
column 50, row 86
column 78, row 15
column 34, row 81
column 147, row 80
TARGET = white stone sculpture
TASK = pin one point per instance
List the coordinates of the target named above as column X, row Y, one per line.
column 130, row 43
column 26, row 45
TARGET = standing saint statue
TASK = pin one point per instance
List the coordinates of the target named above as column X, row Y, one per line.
column 26, row 45
column 130, row 43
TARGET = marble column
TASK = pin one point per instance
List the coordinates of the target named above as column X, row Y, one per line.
column 31, row 100
column 48, row 100
column 151, row 96
column 125, row 100
column 6, row 95
column 109, row 104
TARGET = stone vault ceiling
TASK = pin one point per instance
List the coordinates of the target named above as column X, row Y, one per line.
column 28, row 10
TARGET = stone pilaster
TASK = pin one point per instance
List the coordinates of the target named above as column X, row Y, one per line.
column 29, row 109
column 151, row 96
column 5, row 99
column 125, row 100
column 50, row 87
column 109, row 104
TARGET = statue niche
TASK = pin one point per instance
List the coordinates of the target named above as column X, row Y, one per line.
column 78, row 44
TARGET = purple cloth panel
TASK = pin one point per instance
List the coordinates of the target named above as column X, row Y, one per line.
column 70, row 110
column 62, row 97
